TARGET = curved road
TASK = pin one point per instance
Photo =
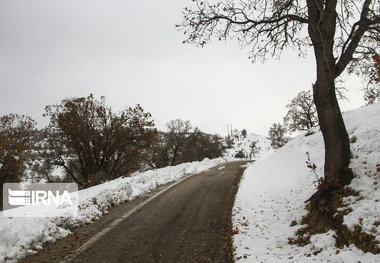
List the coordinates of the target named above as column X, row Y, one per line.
column 190, row 222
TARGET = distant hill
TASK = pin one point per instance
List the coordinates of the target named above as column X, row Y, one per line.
column 251, row 146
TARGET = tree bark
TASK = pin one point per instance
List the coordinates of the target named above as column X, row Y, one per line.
column 335, row 136
column 321, row 29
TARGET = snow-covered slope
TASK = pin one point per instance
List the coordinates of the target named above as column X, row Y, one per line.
column 252, row 146
column 21, row 236
column 273, row 190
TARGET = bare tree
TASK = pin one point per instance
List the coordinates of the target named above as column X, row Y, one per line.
column 244, row 133
column 302, row 114
column 181, row 143
column 179, row 132
column 371, row 94
column 341, row 32
column 158, row 154
column 254, row 149
column 277, row 135
column 93, row 144
column 170, row 145
column 201, row 145
column 372, row 72
column 15, row 142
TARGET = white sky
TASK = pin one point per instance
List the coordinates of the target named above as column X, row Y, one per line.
column 130, row 52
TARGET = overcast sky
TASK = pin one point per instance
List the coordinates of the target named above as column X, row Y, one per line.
column 130, row 52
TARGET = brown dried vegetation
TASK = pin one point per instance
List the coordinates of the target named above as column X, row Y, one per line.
column 332, row 218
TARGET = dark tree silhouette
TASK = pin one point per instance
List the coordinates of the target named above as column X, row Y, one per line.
column 15, row 142
column 302, row 114
column 181, row 143
column 94, row 144
column 277, row 135
column 179, row 132
column 372, row 72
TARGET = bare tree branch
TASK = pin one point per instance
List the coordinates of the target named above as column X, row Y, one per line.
column 357, row 32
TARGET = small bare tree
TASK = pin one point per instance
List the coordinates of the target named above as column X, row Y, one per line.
column 181, row 143
column 244, row 133
column 372, row 91
column 201, row 145
column 277, row 135
column 254, row 149
column 302, row 114
column 179, row 132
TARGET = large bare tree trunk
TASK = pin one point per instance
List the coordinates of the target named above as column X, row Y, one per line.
column 337, row 146
column 337, row 153
column 322, row 24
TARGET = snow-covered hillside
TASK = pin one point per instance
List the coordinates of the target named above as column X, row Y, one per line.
column 273, row 190
column 251, row 146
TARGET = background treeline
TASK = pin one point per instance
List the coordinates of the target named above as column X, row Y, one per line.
column 87, row 143
column 182, row 143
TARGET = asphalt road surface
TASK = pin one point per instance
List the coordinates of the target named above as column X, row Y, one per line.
column 190, row 222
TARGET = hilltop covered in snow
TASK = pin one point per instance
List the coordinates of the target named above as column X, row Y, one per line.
column 251, row 146
column 270, row 202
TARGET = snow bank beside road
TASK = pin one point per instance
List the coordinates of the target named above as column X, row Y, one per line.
column 21, row 236
column 273, row 190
